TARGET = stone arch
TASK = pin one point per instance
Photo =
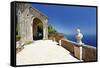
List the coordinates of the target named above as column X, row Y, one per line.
column 45, row 27
column 37, row 29
column 26, row 15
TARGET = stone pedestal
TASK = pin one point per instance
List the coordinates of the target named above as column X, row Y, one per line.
column 78, row 49
column 60, row 42
column 78, row 52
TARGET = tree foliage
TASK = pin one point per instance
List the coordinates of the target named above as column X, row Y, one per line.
column 51, row 30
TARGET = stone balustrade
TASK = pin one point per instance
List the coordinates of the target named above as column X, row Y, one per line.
column 56, row 36
column 88, row 52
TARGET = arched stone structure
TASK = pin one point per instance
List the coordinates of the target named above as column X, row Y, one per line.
column 37, row 29
column 25, row 16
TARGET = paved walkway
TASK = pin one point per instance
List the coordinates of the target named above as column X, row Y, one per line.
column 44, row 51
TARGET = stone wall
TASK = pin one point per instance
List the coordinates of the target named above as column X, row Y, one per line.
column 89, row 53
column 25, row 17
column 68, row 45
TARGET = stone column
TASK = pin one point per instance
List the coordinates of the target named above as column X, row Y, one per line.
column 20, row 26
column 45, row 30
column 80, row 53
column 60, row 42
column 31, row 29
column 22, row 31
column 18, row 20
column 18, row 43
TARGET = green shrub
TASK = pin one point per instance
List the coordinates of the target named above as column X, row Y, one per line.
column 51, row 30
column 17, row 37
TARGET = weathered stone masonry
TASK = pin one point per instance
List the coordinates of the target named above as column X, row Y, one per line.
column 25, row 17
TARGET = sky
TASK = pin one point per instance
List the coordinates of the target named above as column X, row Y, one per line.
column 66, row 19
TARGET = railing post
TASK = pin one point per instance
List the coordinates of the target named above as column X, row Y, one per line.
column 60, row 42
column 80, row 53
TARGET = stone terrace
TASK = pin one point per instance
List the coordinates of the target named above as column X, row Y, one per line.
column 42, row 52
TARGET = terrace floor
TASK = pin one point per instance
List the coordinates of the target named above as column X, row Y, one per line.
column 42, row 52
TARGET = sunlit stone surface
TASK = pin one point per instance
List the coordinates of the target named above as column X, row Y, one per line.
column 44, row 51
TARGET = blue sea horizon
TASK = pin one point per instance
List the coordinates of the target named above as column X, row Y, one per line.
column 87, row 39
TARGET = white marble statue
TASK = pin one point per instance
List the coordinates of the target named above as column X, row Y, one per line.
column 79, row 36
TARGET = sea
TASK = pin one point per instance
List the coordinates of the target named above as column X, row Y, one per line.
column 87, row 39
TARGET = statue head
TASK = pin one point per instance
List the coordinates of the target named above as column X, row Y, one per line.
column 78, row 30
